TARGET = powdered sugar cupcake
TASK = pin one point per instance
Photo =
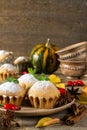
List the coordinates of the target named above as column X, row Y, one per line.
column 43, row 94
column 27, row 80
column 7, row 70
column 11, row 92
column 22, row 63
column 6, row 57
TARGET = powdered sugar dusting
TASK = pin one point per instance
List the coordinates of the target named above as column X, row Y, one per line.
column 43, row 88
column 27, row 79
column 3, row 52
column 43, row 84
column 8, row 67
column 20, row 59
column 10, row 87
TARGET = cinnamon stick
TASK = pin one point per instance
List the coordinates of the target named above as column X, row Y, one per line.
column 74, row 119
column 75, row 109
column 77, row 118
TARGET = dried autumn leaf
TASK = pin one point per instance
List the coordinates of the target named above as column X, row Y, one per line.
column 41, row 122
column 82, row 99
column 82, row 102
column 60, row 85
column 54, row 78
column 52, row 121
column 84, row 89
column 47, row 121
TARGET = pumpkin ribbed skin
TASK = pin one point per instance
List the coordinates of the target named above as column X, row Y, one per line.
column 44, row 59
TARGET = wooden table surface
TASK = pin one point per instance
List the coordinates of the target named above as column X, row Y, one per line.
column 28, row 123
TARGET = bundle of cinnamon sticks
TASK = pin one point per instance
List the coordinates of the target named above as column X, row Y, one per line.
column 78, row 113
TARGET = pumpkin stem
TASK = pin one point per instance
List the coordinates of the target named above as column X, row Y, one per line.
column 48, row 43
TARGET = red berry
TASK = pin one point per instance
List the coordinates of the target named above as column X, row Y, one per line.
column 11, row 106
column 25, row 72
column 69, row 83
column 75, row 83
column 80, row 83
column 62, row 91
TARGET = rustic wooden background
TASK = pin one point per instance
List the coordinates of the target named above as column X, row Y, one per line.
column 24, row 23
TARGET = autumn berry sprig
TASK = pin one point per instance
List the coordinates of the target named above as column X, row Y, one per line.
column 75, row 83
column 10, row 106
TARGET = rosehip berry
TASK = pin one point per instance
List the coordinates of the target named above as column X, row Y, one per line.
column 75, row 83
column 11, row 106
column 25, row 72
column 80, row 83
column 62, row 91
column 69, row 83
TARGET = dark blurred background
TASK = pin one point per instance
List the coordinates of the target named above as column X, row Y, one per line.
column 25, row 23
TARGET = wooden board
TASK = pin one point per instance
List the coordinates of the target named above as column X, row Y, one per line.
column 25, row 23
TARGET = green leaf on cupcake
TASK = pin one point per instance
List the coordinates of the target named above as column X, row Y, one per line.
column 12, row 79
column 41, row 76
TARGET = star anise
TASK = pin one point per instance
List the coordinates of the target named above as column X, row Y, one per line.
column 7, row 118
column 74, row 92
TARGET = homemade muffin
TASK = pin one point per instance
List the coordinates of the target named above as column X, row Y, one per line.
column 7, row 70
column 11, row 92
column 43, row 94
column 22, row 63
column 6, row 57
column 27, row 80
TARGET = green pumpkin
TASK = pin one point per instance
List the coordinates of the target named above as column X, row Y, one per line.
column 44, row 59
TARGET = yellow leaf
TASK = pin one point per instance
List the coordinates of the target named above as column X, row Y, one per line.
column 52, row 121
column 54, row 78
column 82, row 102
column 82, row 99
column 41, row 122
column 84, row 89
column 60, row 85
